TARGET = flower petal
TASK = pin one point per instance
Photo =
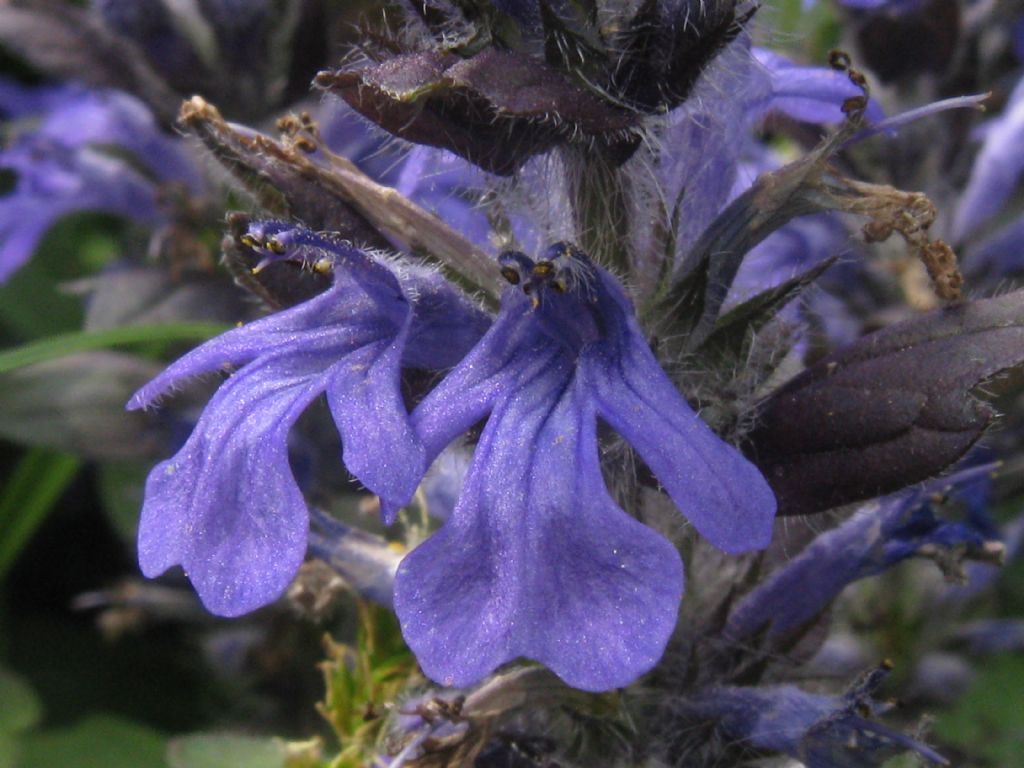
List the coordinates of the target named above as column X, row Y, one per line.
column 537, row 560
column 338, row 316
column 379, row 446
column 718, row 490
column 996, row 172
column 227, row 507
column 467, row 393
column 809, row 94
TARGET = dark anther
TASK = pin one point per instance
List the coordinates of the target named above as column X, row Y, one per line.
column 854, row 104
column 511, row 275
column 543, row 268
column 276, row 245
column 839, row 60
column 305, row 144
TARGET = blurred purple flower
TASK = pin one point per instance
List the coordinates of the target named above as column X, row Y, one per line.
column 60, row 166
column 227, row 506
column 820, row 731
column 537, row 560
column 789, row 251
column 997, row 168
column 449, row 187
column 998, row 256
column 894, row 6
column 876, row 538
column 986, row 636
column 710, row 141
column 808, row 94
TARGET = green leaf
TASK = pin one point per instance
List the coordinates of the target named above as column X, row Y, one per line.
column 69, row 343
column 21, row 707
column 98, row 741
column 225, row 750
column 733, row 330
column 31, row 491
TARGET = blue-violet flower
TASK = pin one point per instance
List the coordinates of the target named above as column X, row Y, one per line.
column 227, row 506
column 537, row 560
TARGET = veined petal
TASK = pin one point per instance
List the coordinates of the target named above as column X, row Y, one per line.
column 339, row 316
column 469, row 391
column 718, row 490
column 365, row 296
column 537, row 560
column 227, row 507
column 378, row 444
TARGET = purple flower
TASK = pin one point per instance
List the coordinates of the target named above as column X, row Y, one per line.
column 227, row 506
column 996, row 170
column 449, row 187
column 820, row 731
column 60, row 169
column 809, row 94
column 537, row 560
column 875, row 539
column 711, row 135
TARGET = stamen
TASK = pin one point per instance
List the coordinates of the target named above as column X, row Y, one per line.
column 263, row 264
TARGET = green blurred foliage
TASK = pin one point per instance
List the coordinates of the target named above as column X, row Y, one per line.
column 28, row 495
column 20, row 710
column 32, row 304
column 988, row 722
column 808, row 34
column 97, row 741
column 225, row 751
